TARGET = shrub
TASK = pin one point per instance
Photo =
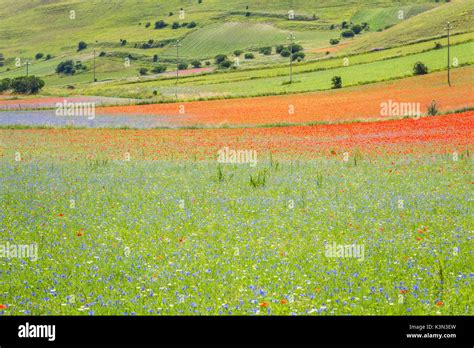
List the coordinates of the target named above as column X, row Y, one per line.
column 356, row 29
column 265, row 50
column 433, row 108
column 5, row 85
column 285, row 52
column 192, row 25
column 143, row 71
column 147, row 24
column 247, row 14
column 225, row 64
column 249, row 56
column 123, row 42
column 438, row 46
column 81, row 46
column 67, row 68
column 336, row 82
column 347, row 33
column 298, row 56
column 279, row 48
column 295, row 48
column 182, row 66
column 48, row 57
column 155, row 58
column 196, row 64
column 39, row 55
column 26, row 84
column 175, row 25
column 207, row 63
column 159, row 69
column 220, row 58
column 420, row 69
column 334, row 41
column 102, row 54
column 238, row 53
column 160, row 24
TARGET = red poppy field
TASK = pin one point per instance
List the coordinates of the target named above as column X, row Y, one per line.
column 356, row 103
column 427, row 135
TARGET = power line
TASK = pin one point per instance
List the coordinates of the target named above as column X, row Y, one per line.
column 448, row 28
column 291, row 38
column 177, row 45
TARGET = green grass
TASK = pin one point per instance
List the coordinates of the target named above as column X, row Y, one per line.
column 267, row 82
column 380, row 18
column 46, row 27
column 429, row 24
column 228, row 37
column 177, row 238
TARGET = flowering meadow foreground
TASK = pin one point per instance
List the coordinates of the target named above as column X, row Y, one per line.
column 348, row 219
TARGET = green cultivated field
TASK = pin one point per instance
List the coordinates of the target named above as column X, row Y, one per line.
column 272, row 81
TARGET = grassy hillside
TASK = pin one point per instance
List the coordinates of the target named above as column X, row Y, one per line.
column 31, row 26
column 28, row 27
column 307, row 77
column 425, row 25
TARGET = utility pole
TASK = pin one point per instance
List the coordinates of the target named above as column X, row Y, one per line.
column 291, row 38
column 177, row 45
column 27, row 63
column 94, row 66
column 448, row 28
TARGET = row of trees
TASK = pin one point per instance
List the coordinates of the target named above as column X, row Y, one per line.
column 175, row 25
column 22, row 85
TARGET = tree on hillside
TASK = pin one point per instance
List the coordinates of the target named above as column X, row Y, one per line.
column 249, row 56
column 298, row 56
column 67, row 68
column 5, row 85
column 159, row 69
column 336, row 82
column 295, row 48
column 220, row 58
column 182, row 66
column 285, row 52
column 226, row 64
column 356, row 29
column 160, row 24
column 347, row 33
column 420, row 69
column 81, row 46
column 2, row 60
column 196, row 64
column 26, row 84
column 39, row 55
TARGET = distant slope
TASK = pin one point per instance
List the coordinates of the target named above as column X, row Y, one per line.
column 382, row 17
column 425, row 25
